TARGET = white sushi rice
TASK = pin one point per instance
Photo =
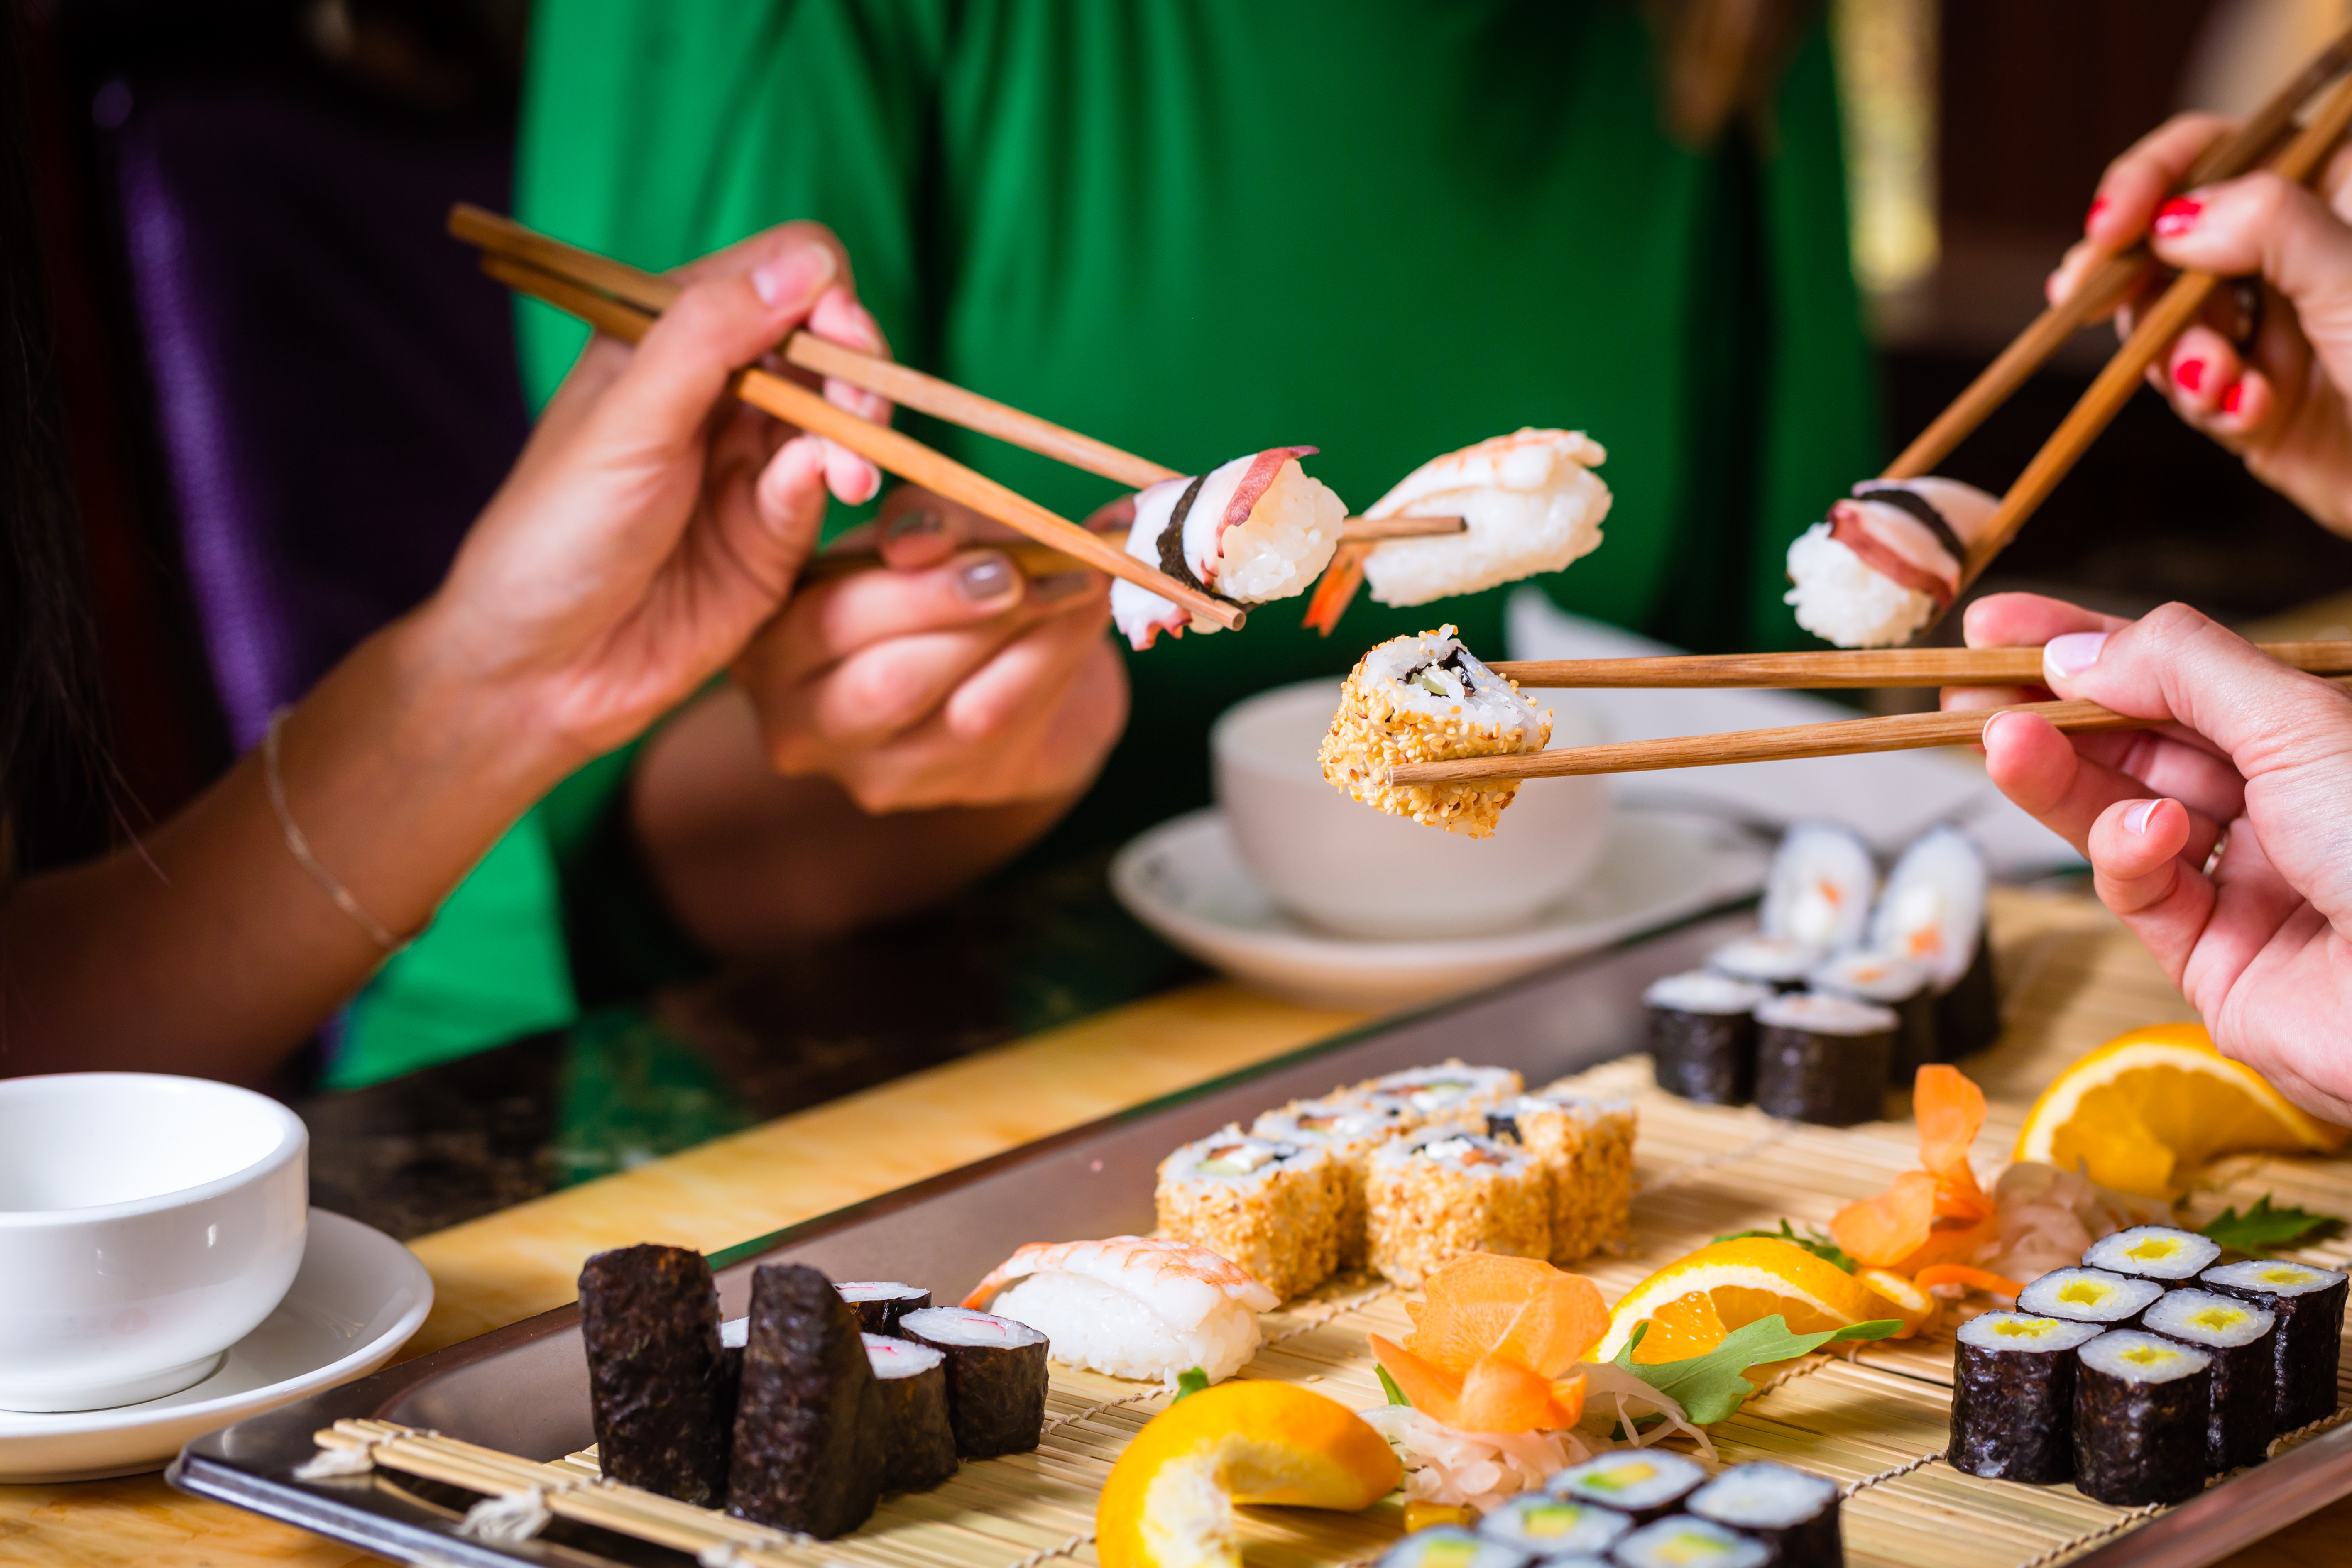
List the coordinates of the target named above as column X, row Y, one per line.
column 1704, row 991
column 1530, row 500
column 2135, row 1357
column 1819, row 890
column 1841, row 600
column 2201, row 1317
column 2272, row 1276
column 2087, row 1296
column 1767, row 960
column 1762, row 1494
column 2024, row 1331
column 1102, row 1329
column 2154, row 1252
column 1817, row 1015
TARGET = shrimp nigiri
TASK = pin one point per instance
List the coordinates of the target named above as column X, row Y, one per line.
column 1131, row 1306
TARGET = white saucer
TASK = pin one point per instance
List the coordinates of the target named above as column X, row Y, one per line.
column 1185, row 879
column 357, row 1298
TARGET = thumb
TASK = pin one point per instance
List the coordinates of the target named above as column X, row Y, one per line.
column 2271, row 225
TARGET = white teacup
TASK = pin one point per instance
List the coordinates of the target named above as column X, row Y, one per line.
column 1362, row 872
column 147, row 1224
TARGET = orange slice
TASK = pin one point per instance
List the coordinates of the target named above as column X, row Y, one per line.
column 1743, row 1280
column 1900, row 1298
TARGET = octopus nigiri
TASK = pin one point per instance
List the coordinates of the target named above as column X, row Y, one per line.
column 1887, row 559
column 1256, row 528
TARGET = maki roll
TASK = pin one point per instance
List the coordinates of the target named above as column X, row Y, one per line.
column 1435, row 1194
column 1770, row 961
column 2308, row 1303
column 1818, row 891
column 1822, row 1059
column 809, row 1429
column 661, row 1387
column 1427, row 699
column 1257, row 529
column 2140, row 1406
column 880, row 1303
column 995, row 1377
column 1793, row 1511
column 1552, row 1528
column 1642, row 1482
column 1451, row 1091
column 1450, row 1546
column 2242, row 1419
column 1888, row 560
column 1584, row 1150
column 1932, row 912
column 2014, row 1396
column 1529, row 501
column 1703, row 1036
column 1895, row 982
column 2163, row 1253
column 1348, row 1127
column 919, row 1448
column 1273, row 1208
column 2089, row 1296
column 1687, row 1541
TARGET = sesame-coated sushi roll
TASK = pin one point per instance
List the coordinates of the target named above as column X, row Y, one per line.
column 1273, row 1208
column 2014, row 1396
column 995, row 1376
column 1451, row 1091
column 1348, row 1127
column 880, row 1303
column 1643, row 1482
column 1776, row 961
column 1585, row 1149
column 2243, row 1418
column 1895, row 982
column 1450, row 1546
column 1822, row 1059
column 1435, row 1194
column 1793, row 1511
column 1687, row 1541
column 2163, row 1253
column 1257, row 529
column 2089, row 1296
column 1531, row 503
column 1422, row 699
column 1932, row 912
column 1703, row 1036
column 660, row 1384
column 918, row 1450
column 1818, row 891
column 809, row 1451
column 2308, row 1303
column 2140, row 1404
column 1888, row 560
column 1550, row 1528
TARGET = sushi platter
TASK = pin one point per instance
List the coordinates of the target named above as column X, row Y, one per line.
column 1876, row 1420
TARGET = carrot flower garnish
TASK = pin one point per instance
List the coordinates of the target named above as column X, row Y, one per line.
column 1494, row 1344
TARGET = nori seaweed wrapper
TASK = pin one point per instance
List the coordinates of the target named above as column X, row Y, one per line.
column 809, row 1428
column 2242, row 1416
column 2140, row 1442
column 2013, row 1405
column 1917, row 1041
column 1968, row 1016
column 996, row 1391
column 1808, row 1075
column 2309, row 1337
column 877, row 1313
column 919, row 1444
column 1797, row 1539
column 1707, row 1058
column 659, row 1384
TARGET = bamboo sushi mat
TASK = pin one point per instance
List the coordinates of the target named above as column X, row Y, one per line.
column 1877, row 1422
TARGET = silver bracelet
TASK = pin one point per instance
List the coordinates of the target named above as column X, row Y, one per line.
column 299, row 845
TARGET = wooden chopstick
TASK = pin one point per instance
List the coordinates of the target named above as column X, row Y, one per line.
column 1862, row 668
column 2106, row 285
column 900, row 454
column 1042, row 561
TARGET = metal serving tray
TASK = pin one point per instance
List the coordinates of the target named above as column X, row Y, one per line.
column 524, row 1388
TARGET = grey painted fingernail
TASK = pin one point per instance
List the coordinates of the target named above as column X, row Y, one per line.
column 985, row 577
column 1059, row 584
column 916, row 524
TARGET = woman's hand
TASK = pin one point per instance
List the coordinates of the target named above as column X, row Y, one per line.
column 2253, row 758
column 949, row 680
column 2280, row 400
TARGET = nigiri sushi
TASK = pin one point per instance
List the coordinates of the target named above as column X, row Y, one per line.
column 1887, row 559
column 1531, row 503
column 1427, row 699
column 1131, row 1306
column 1257, row 529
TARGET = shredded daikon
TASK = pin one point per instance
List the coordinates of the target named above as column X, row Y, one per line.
column 1478, row 1470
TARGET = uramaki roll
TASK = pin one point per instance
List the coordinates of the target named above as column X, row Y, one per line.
column 1436, row 1194
column 1273, row 1208
column 1584, row 1148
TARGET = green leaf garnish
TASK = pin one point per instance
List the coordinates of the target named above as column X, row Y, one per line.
column 1389, row 1385
column 1709, row 1387
column 1816, row 1242
column 1190, row 1382
column 2263, row 1229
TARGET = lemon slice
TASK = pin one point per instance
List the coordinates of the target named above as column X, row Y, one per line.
column 2148, row 1107
column 1738, row 1282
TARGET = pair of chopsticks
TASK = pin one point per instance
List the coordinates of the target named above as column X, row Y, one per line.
column 1841, row 738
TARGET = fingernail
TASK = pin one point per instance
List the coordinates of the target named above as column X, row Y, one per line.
column 2189, row 372
column 2072, row 654
column 793, row 278
column 2232, row 399
column 2135, row 820
column 985, row 577
column 2092, row 217
column 1059, row 584
column 920, row 524
column 2178, row 216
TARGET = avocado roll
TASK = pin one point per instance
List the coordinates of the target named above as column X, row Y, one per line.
column 2163, row 1253
column 996, row 1377
column 1822, row 1059
column 658, row 1385
column 1450, row 1546
column 1642, row 1482
column 1932, row 912
column 2140, row 1404
column 1793, row 1511
column 2308, row 1303
column 1703, row 1036
column 880, row 1303
column 1685, row 1541
column 2014, row 1396
column 2241, row 1420
column 1552, row 1528
column 918, row 1448
column 809, row 1435
column 2089, row 1296
column 1770, row 961
column 1895, row 982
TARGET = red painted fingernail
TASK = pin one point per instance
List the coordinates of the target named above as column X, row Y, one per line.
column 2092, row 217
column 2189, row 372
column 2233, row 397
column 2178, row 216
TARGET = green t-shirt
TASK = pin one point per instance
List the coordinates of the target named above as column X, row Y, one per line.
column 1199, row 227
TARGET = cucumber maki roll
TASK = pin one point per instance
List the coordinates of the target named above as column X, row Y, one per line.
column 1552, row 1528
column 2089, row 1296
column 1932, row 912
column 1687, row 1541
column 1895, row 982
column 1642, row 1482
column 880, row 1303
column 809, row 1435
column 1703, row 1036
column 2237, row 1335
column 2014, row 1396
column 918, row 1448
column 1772, row 961
column 2140, row 1404
column 2308, row 1340
column 1818, row 891
column 1793, row 1511
column 1822, row 1059
column 996, row 1377
column 659, row 1389
column 1449, row 1546
column 2163, row 1253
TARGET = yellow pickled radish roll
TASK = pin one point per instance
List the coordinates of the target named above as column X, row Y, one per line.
column 1168, row 1502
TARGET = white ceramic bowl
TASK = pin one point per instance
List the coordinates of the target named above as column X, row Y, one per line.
column 1362, row 872
column 147, row 1224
